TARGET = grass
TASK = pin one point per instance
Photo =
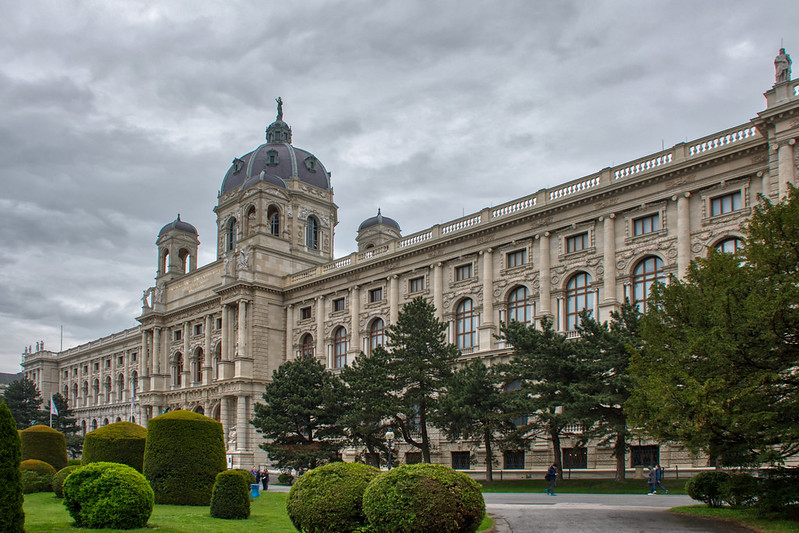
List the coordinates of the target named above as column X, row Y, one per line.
column 746, row 517
column 44, row 512
column 577, row 486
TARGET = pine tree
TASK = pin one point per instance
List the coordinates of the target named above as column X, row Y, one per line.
column 66, row 423
column 25, row 403
column 12, row 517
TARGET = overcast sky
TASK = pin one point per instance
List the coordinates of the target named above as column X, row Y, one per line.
column 116, row 116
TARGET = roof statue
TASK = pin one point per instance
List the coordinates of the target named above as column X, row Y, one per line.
column 782, row 64
column 280, row 108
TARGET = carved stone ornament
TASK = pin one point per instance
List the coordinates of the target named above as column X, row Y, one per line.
column 243, row 263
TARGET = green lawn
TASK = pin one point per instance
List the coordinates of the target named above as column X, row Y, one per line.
column 746, row 517
column 44, row 512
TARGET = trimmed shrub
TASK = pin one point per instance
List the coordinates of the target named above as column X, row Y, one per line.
column 708, row 487
column 12, row 517
column 248, row 476
column 330, row 498
column 779, row 488
column 120, row 442
column 108, row 495
column 182, row 456
column 73, row 462
column 424, row 497
column 37, row 476
column 45, row 444
column 59, row 477
column 285, row 478
column 230, row 498
column 35, row 465
column 740, row 490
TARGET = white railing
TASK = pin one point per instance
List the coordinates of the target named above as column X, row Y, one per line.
column 729, row 137
column 416, row 238
column 574, row 187
column 513, row 207
column 642, row 166
column 462, row 223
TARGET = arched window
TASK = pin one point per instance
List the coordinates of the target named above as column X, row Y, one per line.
column 83, row 427
column 465, row 324
column 519, row 306
column 105, row 421
column 96, row 391
column 312, row 233
column 74, row 395
column 579, row 296
column 306, row 346
column 198, row 366
column 376, row 334
column 340, row 348
column 273, row 216
column 134, row 382
column 730, row 246
column 66, row 392
column 185, row 260
column 120, row 387
column 231, row 234
column 108, row 389
column 164, row 261
column 646, row 272
column 250, row 220
column 94, row 424
column 177, row 370
column 216, row 359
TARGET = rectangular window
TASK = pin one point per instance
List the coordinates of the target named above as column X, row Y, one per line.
column 198, row 329
column 575, row 457
column 74, row 371
column 108, row 363
column 517, row 258
column 218, row 323
column 412, row 458
column 66, row 373
column 644, row 455
column 133, row 357
column 121, row 360
column 416, row 284
column 725, row 204
column 463, row 272
column 338, row 304
column 646, row 224
column 575, row 243
column 305, row 313
column 461, row 460
column 177, row 334
column 376, row 295
column 513, row 460
column 96, row 367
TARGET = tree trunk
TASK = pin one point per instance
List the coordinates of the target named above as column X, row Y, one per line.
column 489, row 456
column 425, row 439
column 619, row 450
column 554, row 434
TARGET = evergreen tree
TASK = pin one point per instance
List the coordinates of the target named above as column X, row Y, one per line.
column 299, row 416
column 605, row 356
column 475, row 406
column 66, row 423
column 12, row 517
column 719, row 372
column 549, row 371
column 419, row 361
column 25, row 402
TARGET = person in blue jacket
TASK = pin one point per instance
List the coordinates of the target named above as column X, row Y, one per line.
column 552, row 477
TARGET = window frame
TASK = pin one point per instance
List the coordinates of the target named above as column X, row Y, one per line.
column 642, row 280
column 339, row 304
column 465, row 325
column 575, row 296
column 464, row 272
column 376, row 295
column 516, row 306
column 416, row 284
column 340, row 346
column 571, row 242
column 646, row 224
column 377, row 335
column 717, row 205
column 516, row 258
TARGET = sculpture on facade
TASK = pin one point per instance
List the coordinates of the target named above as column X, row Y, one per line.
column 232, row 439
column 279, row 108
column 244, row 259
column 782, row 64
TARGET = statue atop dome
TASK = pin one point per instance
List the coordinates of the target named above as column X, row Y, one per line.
column 782, row 64
column 279, row 101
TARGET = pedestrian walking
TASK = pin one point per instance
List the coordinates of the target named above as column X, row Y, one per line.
column 652, row 480
column 659, row 479
column 552, row 477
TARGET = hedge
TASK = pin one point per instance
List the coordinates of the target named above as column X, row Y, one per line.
column 183, row 454
column 230, row 497
column 120, row 442
column 328, row 499
column 46, row 444
column 423, row 497
column 12, row 517
column 59, row 477
column 708, row 487
column 108, row 495
column 37, row 476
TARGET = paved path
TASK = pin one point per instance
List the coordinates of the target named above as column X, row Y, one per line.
column 596, row 513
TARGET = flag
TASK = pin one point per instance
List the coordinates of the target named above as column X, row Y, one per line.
column 53, row 408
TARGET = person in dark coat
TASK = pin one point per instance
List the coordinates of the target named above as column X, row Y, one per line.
column 265, row 479
column 652, row 480
column 552, row 477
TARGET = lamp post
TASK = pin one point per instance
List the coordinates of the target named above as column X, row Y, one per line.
column 389, row 442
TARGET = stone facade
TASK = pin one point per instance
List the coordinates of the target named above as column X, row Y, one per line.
column 211, row 336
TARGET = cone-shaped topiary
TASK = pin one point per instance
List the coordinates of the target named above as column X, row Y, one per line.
column 12, row 518
column 182, row 456
column 424, row 497
column 231, row 496
column 111, row 495
column 328, row 499
column 46, row 444
column 59, row 477
column 120, row 442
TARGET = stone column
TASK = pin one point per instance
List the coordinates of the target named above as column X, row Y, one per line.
column 225, row 328
column 157, row 350
column 438, row 289
column 355, row 318
column 208, row 367
column 683, row 234
column 321, row 353
column 224, row 417
column 289, row 333
column 145, row 362
column 786, row 169
column 545, row 286
column 242, row 330
column 394, row 298
column 187, row 375
column 609, row 257
column 242, row 423
column 485, row 329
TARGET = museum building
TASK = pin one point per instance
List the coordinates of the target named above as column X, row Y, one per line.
column 209, row 337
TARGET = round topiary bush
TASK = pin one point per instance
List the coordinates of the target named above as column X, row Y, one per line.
column 329, row 498
column 708, row 487
column 424, row 497
column 182, row 456
column 108, row 495
column 37, row 476
column 249, row 476
column 12, row 517
column 230, row 498
column 284, row 478
column 120, row 442
column 59, row 477
column 741, row 490
column 45, row 444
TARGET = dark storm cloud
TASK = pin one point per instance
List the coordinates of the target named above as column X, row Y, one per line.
column 119, row 115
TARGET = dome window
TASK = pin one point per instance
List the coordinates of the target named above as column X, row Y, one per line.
column 238, row 164
column 310, row 163
column 272, row 158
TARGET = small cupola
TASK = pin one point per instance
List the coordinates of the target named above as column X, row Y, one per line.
column 377, row 230
column 177, row 249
